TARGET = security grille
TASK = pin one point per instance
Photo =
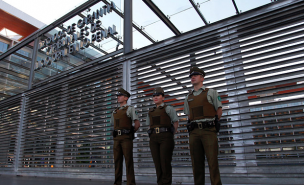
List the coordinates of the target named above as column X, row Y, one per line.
column 68, row 125
column 257, row 67
column 9, row 121
column 255, row 62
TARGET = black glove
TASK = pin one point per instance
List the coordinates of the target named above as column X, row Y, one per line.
column 150, row 131
column 172, row 129
column 217, row 123
column 132, row 133
column 189, row 126
column 114, row 133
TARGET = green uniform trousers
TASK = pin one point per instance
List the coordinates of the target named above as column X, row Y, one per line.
column 123, row 146
column 204, row 141
column 161, row 146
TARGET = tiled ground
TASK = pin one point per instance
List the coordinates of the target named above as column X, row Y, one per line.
column 22, row 180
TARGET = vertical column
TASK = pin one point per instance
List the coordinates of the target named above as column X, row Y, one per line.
column 232, row 60
column 19, row 135
column 34, row 57
column 61, row 128
column 126, row 76
column 10, row 59
column 126, row 83
column 128, row 34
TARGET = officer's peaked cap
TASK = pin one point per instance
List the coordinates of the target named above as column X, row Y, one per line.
column 123, row 92
column 196, row 71
column 158, row 91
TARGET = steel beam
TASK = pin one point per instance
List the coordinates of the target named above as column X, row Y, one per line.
column 50, row 27
column 128, row 32
column 198, row 11
column 236, row 8
column 162, row 16
column 34, row 56
column 134, row 25
column 143, row 33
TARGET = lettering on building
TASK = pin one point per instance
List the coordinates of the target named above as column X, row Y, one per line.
column 71, row 41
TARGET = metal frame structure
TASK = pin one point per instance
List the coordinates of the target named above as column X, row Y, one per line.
column 60, row 127
column 236, row 8
column 198, row 11
column 162, row 16
column 55, row 24
column 134, row 25
column 128, row 32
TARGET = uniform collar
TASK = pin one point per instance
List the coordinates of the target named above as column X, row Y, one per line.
column 202, row 88
column 161, row 105
column 123, row 106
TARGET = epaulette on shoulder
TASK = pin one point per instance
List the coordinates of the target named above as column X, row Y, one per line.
column 116, row 109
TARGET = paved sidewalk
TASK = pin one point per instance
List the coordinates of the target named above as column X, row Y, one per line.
column 25, row 180
column 17, row 180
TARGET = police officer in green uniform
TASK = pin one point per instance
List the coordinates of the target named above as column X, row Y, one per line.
column 123, row 135
column 163, row 123
column 204, row 108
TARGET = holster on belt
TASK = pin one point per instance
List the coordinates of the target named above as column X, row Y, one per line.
column 201, row 125
column 124, row 131
column 159, row 130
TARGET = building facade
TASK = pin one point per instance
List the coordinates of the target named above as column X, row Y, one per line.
column 58, row 125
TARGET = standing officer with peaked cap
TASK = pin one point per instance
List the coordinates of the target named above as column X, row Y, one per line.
column 123, row 135
column 204, row 108
column 161, row 132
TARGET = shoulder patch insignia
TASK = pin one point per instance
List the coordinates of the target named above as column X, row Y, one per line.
column 219, row 98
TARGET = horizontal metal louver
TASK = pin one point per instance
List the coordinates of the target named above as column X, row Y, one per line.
column 257, row 67
column 255, row 62
column 69, row 125
column 9, row 124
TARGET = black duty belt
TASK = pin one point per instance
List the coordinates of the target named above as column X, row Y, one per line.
column 121, row 132
column 158, row 130
column 202, row 125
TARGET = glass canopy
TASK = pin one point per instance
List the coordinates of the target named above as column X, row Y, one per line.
column 153, row 21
